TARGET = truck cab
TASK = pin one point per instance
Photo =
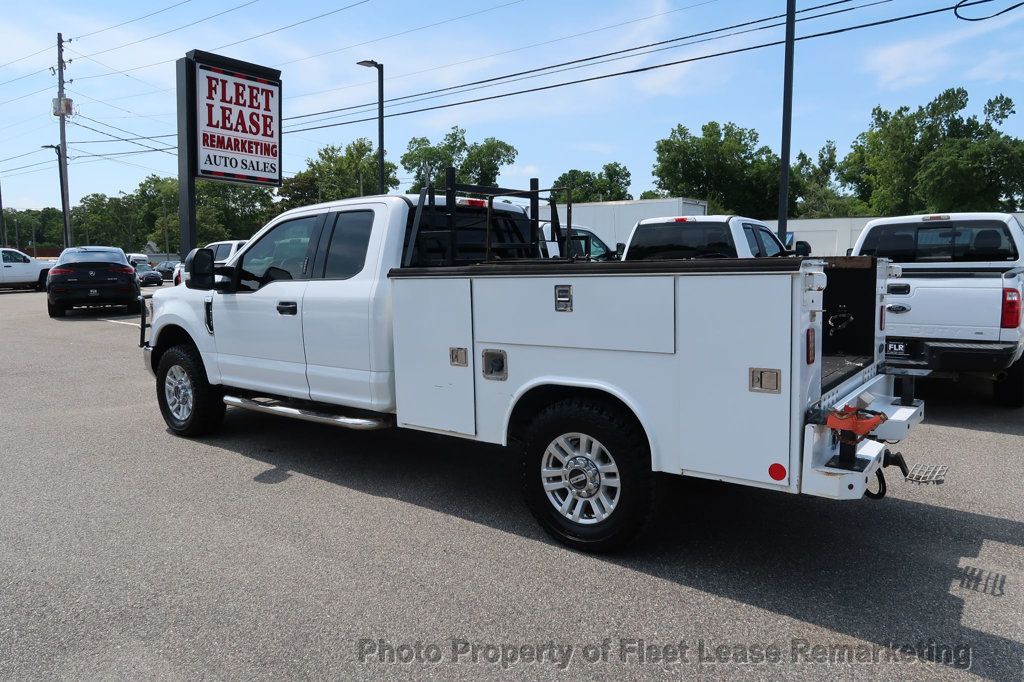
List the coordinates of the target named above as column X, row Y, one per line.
column 956, row 308
column 712, row 236
column 21, row 270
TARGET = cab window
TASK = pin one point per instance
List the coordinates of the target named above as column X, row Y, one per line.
column 221, row 252
column 282, row 253
column 346, row 251
column 770, row 245
column 755, row 246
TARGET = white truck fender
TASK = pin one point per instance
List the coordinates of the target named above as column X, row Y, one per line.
column 604, row 387
column 178, row 312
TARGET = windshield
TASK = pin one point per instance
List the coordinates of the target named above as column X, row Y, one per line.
column 941, row 242
column 92, row 257
column 690, row 239
column 143, row 267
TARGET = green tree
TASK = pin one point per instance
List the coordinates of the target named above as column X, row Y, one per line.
column 936, row 158
column 611, row 183
column 724, row 165
column 817, row 189
column 478, row 163
column 337, row 173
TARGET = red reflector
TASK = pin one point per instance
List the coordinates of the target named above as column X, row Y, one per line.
column 1011, row 309
column 473, row 202
column 881, row 317
column 61, row 271
column 777, row 472
column 682, row 220
column 812, row 351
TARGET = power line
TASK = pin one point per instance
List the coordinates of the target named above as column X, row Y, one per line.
column 114, row 106
column 18, row 156
column 19, row 59
column 504, row 52
column 163, row 33
column 103, row 132
column 132, row 21
column 402, row 33
column 27, row 75
column 608, row 54
column 31, row 165
column 642, row 69
column 124, row 139
column 48, row 87
column 110, row 154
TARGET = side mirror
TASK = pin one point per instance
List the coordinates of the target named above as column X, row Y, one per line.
column 849, row 252
column 199, row 266
column 620, row 248
column 803, row 249
column 224, row 278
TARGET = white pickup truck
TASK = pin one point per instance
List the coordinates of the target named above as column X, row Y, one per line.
column 705, row 236
column 22, row 270
column 956, row 309
column 444, row 317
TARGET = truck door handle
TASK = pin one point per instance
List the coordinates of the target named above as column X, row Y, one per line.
column 287, row 308
column 897, row 308
column 8, row 266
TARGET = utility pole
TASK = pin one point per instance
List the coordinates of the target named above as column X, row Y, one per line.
column 382, row 182
column 62, row 154
column 3, row 225
column 787, row 119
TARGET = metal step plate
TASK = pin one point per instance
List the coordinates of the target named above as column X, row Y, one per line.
column 928, row 473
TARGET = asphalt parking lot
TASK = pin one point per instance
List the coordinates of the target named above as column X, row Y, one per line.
column 288, row 549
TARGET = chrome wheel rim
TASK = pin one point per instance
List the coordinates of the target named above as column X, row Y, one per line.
column 580, row 478
column 178, row 392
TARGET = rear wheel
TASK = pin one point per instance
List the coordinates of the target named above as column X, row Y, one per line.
column 587, row 474
column 190, row 405
column 1010, row 391
column 41, row 284
column 55, row 309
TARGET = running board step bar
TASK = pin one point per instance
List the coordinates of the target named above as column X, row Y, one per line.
column 283, row 410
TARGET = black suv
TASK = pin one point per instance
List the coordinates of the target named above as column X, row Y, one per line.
column 91, row 276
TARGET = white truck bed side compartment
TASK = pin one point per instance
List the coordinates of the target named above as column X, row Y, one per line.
column 433, row 319
column 729, row 326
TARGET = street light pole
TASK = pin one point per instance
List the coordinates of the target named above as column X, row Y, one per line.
column 380, row 120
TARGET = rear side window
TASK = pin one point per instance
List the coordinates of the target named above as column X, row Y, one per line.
column 221, row 251
column 346, row 252
column 667, row 241
column 941, row 242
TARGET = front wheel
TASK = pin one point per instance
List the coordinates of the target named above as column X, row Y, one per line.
column 1010, row 391
column 587, row 474
column 190, row 405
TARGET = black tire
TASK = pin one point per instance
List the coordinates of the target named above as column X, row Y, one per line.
column 41, row 284
column 55, row 309
column 207, row 411
column 1010, row 391
column 625, row 442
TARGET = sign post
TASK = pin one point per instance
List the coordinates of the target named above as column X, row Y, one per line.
column 229, row 128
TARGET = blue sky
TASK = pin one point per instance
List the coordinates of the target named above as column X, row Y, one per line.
column 838, row 79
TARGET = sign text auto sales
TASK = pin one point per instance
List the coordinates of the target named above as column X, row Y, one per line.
column 238, row 125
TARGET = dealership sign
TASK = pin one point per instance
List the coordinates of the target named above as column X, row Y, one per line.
column 238, row 126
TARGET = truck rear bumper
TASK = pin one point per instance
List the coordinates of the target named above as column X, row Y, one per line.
column 954, row 356
column 821, row 443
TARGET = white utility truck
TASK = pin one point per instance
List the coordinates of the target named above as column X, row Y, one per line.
column 441, row 315
column 956, row 309
column 22, row 270
column 705, row 236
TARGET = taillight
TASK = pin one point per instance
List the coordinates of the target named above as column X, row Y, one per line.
column 811, row 349
column 1011, row 309
column 177, row 279
column 124, row 269
column 881, row 317
column 61, row 271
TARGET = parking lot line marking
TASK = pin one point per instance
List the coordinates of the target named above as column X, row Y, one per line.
column 130, row 324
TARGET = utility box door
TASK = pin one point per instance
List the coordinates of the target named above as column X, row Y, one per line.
column 434, row 361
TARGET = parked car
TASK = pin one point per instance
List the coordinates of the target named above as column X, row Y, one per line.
column 957, row 307
column 222, row 253
column 22, row 270
column 583, row 239
column 135, row 258
column 711, row 236
column 91, row 276
column 166, row 268
column 147, row 275
column 368, row 313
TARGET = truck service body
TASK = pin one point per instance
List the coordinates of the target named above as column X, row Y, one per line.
column 603, row 373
